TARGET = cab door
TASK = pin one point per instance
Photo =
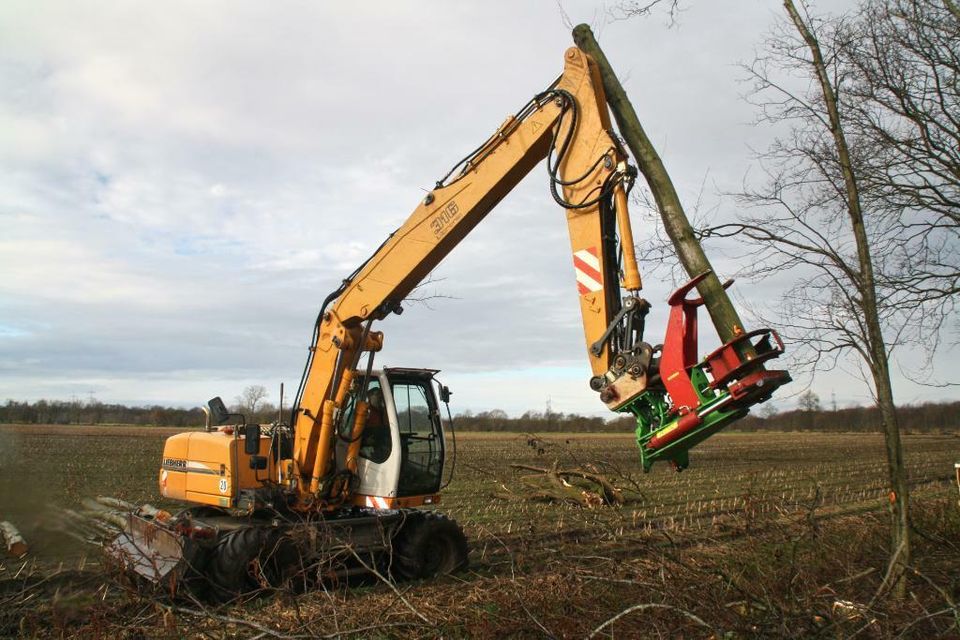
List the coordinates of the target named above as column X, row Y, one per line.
column 378, row 462
column 402, row 449
column 420, row 434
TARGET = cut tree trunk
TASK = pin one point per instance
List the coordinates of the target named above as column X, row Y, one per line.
column 16, row 545
column 690, row 253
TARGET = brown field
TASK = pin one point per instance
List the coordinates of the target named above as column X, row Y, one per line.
column 766, row 535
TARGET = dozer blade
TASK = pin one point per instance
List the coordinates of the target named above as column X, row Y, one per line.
column 152, row 551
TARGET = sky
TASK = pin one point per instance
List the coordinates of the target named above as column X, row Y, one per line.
column 182, row 183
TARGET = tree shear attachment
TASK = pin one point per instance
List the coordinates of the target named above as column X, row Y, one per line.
column 687, row 401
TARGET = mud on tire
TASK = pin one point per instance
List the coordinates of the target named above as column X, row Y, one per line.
column 428, row 544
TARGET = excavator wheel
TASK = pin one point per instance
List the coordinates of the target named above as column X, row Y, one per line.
column 428, row 544
column 246, row 560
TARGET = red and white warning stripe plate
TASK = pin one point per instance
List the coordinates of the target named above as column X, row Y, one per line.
column 377, row 502
column 587, row 265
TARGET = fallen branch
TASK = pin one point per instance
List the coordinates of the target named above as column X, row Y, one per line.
column 390, row 584
column 367, row 629
column 539, row 496
column 654, row 605
column 264, row 631
column 943, row 593
column 608, row 493
column 894, row 572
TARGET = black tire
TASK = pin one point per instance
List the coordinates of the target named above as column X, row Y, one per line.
column 246, row 560
column 428, row 544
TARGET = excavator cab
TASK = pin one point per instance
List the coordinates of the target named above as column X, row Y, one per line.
column 400, row 461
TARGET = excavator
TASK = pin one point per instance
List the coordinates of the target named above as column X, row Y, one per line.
column 349, row 473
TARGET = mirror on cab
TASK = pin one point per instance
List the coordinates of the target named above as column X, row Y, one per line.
column 218, row 410
column 445, row 394
column 251, row 439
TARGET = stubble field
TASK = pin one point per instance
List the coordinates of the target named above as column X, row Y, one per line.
column 766, row 535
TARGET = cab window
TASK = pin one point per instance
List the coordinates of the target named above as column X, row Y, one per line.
column 421, row 440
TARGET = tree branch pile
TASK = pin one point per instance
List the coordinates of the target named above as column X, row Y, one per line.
column 584, row 487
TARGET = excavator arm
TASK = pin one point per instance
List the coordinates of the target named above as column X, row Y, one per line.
column 569, row 125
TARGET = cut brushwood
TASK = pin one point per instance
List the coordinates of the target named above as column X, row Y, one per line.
column 16, row 545
column 589, row 489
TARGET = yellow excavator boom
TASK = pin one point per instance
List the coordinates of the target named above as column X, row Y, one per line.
column 570, row 122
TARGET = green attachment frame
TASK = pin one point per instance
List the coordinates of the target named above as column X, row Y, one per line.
column 655, row 417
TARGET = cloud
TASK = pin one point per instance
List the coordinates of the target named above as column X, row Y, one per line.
column 182, row 183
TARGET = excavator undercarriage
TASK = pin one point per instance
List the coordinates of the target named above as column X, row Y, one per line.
column 215, row 554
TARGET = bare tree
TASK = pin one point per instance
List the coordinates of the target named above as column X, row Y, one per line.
column 768, row 410
column 644, row 8
column 809, row 221
column 809, row 402
column 252, row 398
column 903, row 109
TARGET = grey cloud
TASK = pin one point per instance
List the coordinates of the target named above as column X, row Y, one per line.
column 181, row 184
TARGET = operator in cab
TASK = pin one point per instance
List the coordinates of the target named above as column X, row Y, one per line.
column 375, row 445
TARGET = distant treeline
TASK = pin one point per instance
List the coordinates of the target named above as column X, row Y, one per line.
column 540, row 422
column 93, row 412
column 931, row 417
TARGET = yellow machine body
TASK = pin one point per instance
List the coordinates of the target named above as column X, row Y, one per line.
column 210, row 468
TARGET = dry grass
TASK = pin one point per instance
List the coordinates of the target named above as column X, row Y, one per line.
column 773, row 535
